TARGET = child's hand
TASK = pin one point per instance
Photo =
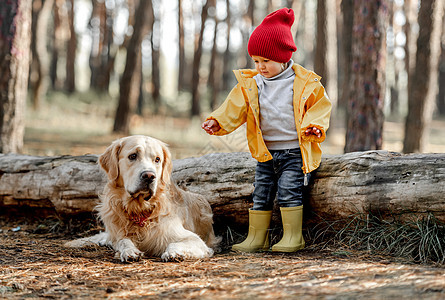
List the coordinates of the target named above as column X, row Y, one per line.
column 211, row 126
column 314, row 131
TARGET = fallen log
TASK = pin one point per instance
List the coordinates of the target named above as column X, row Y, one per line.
column 383, row 183
column 68, row 184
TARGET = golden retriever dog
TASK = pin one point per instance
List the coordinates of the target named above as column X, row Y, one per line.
column 143, row 211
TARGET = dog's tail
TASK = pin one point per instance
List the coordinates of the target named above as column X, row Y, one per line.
column 100, row 239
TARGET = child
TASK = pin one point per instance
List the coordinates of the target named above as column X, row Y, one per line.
column 287, row 113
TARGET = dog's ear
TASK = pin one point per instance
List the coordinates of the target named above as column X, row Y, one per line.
column 167, row 165
column 109, row 160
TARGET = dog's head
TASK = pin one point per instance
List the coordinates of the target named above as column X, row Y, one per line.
column 140, row 165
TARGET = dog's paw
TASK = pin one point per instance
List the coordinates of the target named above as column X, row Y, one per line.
column 127, row 251
column 172, row 257
column 101, row 239
column 181, row 251
column 127, row 255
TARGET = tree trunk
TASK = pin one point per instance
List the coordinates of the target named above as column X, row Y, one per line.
column 15, row 38
column 249, row 19
column 423, row 85
column 347, row 7
column 215, row 73
column 325, row 63
column 441, row 96
column 365, row 107
column 389, row 185
column 108, row 52
column 321, row 47
column 155, row 58
column 410, row 9
column 99, row 36
column 129, row 85
column 181, row 50
column 70, row 80
column 308, row 33
column 227, row 58
column 331, row 52
column 57, row 44
column 140, row 80
column 195, row 109
column 40, row 57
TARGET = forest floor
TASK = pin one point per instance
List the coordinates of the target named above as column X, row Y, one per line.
column 34, row 264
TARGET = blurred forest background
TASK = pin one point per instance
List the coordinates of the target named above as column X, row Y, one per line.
column 76, row 74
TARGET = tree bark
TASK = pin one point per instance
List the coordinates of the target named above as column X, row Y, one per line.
column 195, row 109
column 103, row 49
column 321, row 44
column 40, row 57
column 129, row 85
column 441, row 96
column 423, row 86
column 410, row 10
column 70, row 80
column 155, row 59
column 57, row 43
column 250, row 23
column 227, row 57
column 365, row 106
column 215, row 73
column 15, row 38
column 325, row 63
column 181, row 50
column 347, row 7
column 386, row 184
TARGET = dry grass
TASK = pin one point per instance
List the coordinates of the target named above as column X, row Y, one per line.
column 420, row 240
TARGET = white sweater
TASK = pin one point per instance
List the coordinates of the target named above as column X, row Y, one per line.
column 277, row 121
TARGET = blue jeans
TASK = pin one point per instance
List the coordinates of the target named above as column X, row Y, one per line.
column 282, row 174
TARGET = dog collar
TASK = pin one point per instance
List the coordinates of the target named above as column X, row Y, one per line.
column 141, row 221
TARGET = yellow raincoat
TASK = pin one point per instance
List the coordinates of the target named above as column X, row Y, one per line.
column 312, row 108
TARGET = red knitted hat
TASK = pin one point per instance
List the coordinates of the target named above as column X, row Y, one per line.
column 273, row 39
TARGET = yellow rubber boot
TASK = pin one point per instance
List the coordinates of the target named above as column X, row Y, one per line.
column 292, row 240
column 257, row 237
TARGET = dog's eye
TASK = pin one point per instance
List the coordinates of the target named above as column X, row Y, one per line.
column 132, row 156
column 157, row 159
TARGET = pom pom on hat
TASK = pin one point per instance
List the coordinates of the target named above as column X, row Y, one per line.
column 273, row 39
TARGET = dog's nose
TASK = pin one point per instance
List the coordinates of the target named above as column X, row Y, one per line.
column 147, row 176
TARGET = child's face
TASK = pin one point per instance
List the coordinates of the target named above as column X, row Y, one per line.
column 266, row 67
